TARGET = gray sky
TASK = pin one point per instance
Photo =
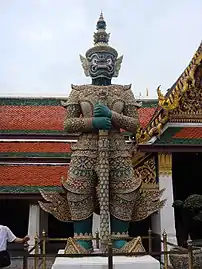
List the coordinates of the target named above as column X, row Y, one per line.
column 41, row 41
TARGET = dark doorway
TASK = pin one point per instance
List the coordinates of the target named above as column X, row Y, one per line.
column 58, row 229
column 187, row 180
column 187, row 175
column 141, row 228
column 15, row 215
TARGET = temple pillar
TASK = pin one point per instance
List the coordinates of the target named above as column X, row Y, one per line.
column 43, row 222
column 166, row 217
column 96, row 226
column 34, row 223
column 96, row 223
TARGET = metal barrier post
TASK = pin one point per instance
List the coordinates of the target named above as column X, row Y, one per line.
column 190, row 254
column 110, row 256
column 150, row 240
column 25, row 256
column 97, row 237
column 165, row 249
column 36, row 259
column 44, row 249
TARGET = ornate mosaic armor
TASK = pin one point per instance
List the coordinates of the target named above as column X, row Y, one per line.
column 83, row 175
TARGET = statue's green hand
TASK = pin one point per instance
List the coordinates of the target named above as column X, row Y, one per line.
column 102, row 123
column 102, row 111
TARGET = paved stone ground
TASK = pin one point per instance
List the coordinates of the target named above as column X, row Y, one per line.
column 17, row 263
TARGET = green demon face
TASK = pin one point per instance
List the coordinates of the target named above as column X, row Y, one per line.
column 101, row 64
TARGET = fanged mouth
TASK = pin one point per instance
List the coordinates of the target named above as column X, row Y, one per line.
column 104, row 66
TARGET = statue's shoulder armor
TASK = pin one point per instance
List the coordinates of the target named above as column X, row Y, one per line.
column 121, row 90
column 82, row 91
column 121, row 87
column 73, row 98
column 127, row 87
column 90, row 87
column 80, row 87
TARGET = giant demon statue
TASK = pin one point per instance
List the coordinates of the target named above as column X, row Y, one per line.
column 101, row 177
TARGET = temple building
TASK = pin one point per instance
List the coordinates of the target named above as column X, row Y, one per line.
column 35, row 152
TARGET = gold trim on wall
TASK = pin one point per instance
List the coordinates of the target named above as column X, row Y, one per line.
column 165, row 164
column 145, row 168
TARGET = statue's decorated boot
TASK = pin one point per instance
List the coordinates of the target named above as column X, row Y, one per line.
column 82, row 241
column 74, row 247
column 133, row 246
column 119, row 230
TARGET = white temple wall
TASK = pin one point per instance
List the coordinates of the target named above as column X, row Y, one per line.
column 165, row 219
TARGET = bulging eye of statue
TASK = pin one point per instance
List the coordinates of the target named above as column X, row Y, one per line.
column 94, row 61
column 109, row 61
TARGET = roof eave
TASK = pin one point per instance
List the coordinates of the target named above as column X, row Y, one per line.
column 170, row 148
column 160, row 118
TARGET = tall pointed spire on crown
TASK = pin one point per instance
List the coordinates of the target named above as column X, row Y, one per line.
column 101, row 39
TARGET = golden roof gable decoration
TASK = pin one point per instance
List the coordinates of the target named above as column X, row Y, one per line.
column 175, row 100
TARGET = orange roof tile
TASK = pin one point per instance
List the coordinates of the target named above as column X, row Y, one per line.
column 47, row 117
column 32, row 117
column 145, row 114
column 189, row 132
column 32, row 175
column 34, row 147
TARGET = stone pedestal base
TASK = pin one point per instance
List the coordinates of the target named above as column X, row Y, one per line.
column 119, row 262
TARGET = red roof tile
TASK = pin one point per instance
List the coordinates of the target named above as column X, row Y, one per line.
column 189, row 132
column 145, row 114
column 34, row 147
column 47, row 117
column 32, row 175
column 32, row 117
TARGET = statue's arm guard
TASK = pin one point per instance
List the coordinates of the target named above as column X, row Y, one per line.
column 74, row 122
column 128, row 120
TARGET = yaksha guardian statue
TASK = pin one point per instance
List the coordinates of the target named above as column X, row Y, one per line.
column 101, row 177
